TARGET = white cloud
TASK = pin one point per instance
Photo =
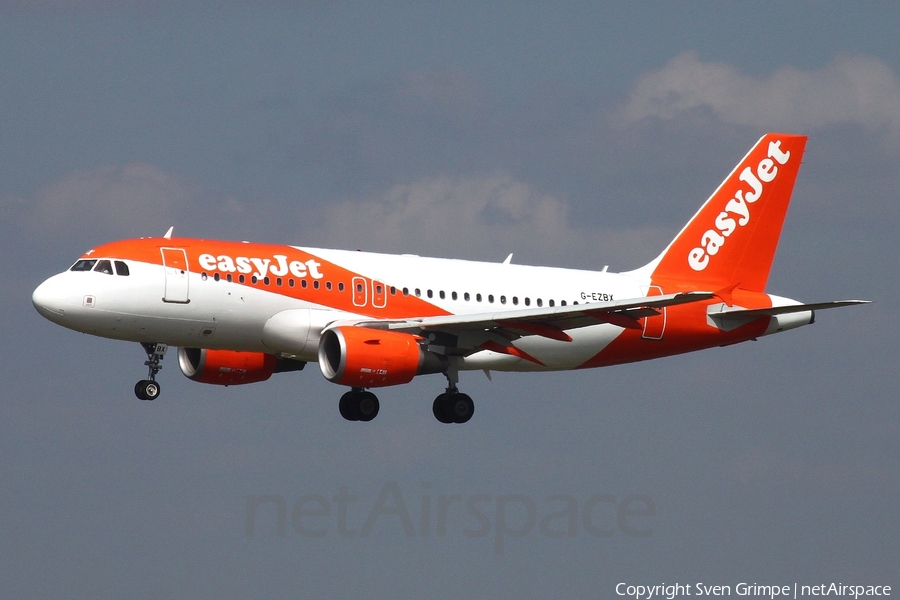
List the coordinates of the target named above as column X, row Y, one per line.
column 483, row 218
column 850, row 89
column 476, row 217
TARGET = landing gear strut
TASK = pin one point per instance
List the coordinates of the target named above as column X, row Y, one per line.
column 148, row 389
column 453, row 406
column 359, row 405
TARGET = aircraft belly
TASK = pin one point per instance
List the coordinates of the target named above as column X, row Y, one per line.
column 552, row 355
column 556, row 355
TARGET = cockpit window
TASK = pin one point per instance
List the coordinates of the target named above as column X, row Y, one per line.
column 104, row 266
column 121, row 268
column 83, row 265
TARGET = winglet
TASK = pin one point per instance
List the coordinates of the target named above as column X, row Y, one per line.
column 168, row 235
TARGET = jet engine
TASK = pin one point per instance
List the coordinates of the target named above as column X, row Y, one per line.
column 228, row 367
column 362, row 357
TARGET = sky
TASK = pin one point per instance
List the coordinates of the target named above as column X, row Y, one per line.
column 575, row 134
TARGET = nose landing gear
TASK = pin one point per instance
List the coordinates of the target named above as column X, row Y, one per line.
column 149, row 389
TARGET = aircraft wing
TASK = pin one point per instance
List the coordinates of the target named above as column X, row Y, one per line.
column 551, row 323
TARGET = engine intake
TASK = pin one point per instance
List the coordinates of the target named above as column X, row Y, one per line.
column 362, row 357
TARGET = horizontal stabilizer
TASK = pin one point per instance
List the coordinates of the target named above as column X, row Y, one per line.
column 750, row 313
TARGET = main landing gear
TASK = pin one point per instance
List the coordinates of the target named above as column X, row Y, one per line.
column 359, row 405
column 148, row 389
column 453, row 406
column 450, row 407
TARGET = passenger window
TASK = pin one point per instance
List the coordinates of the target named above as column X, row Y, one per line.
column 104, row 266
column 122, row 268
column 83, row 265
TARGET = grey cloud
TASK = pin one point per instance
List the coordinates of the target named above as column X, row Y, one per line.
column 850, row 89
column 128, row 199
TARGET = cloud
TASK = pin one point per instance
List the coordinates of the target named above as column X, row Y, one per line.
column 132, row 199
column 477, row 217
column 851, row 89
column 482, row 217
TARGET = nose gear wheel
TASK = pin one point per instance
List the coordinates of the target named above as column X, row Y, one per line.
column 149, row 389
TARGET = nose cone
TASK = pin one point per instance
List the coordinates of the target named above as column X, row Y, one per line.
column 50, row 299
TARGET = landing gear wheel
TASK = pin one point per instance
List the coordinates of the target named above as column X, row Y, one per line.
column 146, row 390
column 460, row 407
column 453, row 407
column 347, row 406
column 359, row 405
column 367, row 406
column 439, row 408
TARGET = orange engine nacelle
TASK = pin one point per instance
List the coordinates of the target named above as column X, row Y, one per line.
column 228, row 367
column 361, row 357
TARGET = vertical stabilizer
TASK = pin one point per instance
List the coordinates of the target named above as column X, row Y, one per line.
column 732, row 238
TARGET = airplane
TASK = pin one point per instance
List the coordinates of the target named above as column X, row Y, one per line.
column 239, row 312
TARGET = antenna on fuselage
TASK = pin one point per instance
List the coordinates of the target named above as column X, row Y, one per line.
column 508, row 259
column 168, row 235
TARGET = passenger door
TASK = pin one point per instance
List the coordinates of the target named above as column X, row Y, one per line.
column 175, row 266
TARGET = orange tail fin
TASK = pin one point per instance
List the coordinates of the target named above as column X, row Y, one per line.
column 732, row 238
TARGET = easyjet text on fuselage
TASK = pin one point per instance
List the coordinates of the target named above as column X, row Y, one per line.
column 278, row 265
